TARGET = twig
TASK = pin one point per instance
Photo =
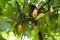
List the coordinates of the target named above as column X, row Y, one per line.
column 40, row 35
column 43, row 6
column 21, row 14
column 32, row 7
column 18, row 7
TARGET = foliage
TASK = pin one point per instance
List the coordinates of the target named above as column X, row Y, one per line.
column 48, row 19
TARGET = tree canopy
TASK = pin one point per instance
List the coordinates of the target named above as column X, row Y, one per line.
column 36, row 19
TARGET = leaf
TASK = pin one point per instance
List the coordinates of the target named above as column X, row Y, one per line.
column 3, row 2
column 1, row 38
column 56, row 2
column 26, row 28
column 4, row 26
column 40, row 15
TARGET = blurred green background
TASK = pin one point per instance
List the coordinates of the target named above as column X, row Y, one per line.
column 49, row 24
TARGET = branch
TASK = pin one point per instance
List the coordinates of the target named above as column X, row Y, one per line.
column 18, row 7
column 32, row 7
column 21, row 14
column 56, row 7
column 43, row 6
column 40, row 35
column 48, row 9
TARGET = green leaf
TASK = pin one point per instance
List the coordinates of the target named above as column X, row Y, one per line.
column 1, row 38
column 3, row 2
column 56, row 2
column 4, row 26
column 40, row 15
